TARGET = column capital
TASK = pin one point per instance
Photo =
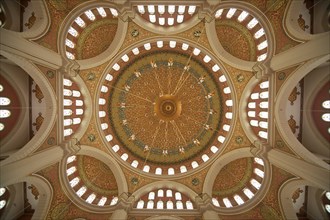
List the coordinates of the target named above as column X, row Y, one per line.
column 71, row 147
column 260, row 148
column 70, row 68
column 262, row 70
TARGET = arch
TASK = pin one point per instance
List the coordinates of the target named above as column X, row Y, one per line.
column 50, row 114
column 106, row 159
column 285, row 196
column 280, row 106
column 223, row 161
column 109, row 52
column 227, row 57
column 164, row 217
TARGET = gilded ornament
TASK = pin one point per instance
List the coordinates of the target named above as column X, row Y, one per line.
column 135, row 33
column 302, row 23
column 50, row 74
column 293, row 95
column 281, row 76
column 31, row 21
column 195, row 181
column 39, row 121
column 240, row 78
column 279, row 143
column 197, row 33
column 134, row 181
column 296, row 195
column 91, row 137
column 239, row 140
column 34, row 191
column 90, row 76
column 51, row 141
column 38, row 93
column 293, row 124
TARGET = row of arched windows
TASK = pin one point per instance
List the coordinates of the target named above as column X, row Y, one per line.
column 4, row 113
column 248, row 192
column 166, row 15
column 73, row 107
column 81, row 190
column 81, row 22
column 164, row 199
column 252, row 24
column 257, row 109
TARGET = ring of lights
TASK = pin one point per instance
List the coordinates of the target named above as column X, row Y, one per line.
column 111, row 87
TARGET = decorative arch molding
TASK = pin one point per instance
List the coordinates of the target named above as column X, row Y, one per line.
column 108, row 53
column 191, row 44
column 227, row 57
column 165, row 184
column 291, row 26
column 50, row 114
column 285, row 196
column 45, row 195
column 280, row 106
column 223, row 161
column 106, row 159
column 42, row 24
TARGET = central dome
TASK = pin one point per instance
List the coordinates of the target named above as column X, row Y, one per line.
column 165, row 107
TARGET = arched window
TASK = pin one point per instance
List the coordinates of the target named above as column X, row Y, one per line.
column 2, row 204
column 194, row 164
column 67, row 102
column 71, row 170
column 91, row 198
column 221, row 139
column 259, row 172
column 150, row 205
column 4, row 101
column 140, row 204
column 135, row 163
column 71, row 159
column 255, row 183
column 102, row 201
column 227, row 203
column 146, row 168
column 169, row 193
column 76, row 121
column 81, row 191
column 205, row 157
column 178, row 196
column 114, row 201
column 102, row 114
column 102, row 101
column 74, row 182
column 124, row 157
column 169, row 205
column 170, row 171
column 259, row 161
column 4, row 113
column 115, row 148
column 67, row 132
column 183, row 169
column 238, row 199
column 160, row 204
column 215, row 202
column 160, row 193
column 67, row 122
column 179, row 205
column 214, row 149
column 104, row 126
column 158, row 171
column 151, row 196
column 248, row 193
column 189, row 205
column 2, row 191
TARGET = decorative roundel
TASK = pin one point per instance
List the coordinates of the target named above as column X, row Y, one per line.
column 165, row 109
